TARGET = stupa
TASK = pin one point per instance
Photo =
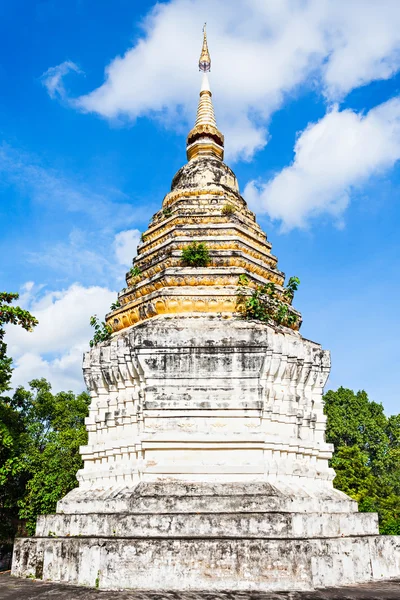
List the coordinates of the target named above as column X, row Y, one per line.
column 206, row 466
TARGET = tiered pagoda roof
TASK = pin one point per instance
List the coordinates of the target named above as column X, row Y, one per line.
column 205, row 206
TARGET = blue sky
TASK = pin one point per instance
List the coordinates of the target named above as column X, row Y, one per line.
column 96, row 102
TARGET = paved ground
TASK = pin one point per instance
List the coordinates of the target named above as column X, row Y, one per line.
column 27, row 589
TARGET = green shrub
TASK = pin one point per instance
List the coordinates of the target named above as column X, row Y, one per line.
column 115, row 305
column 264, row 303
column 135, row 272
column 196, row 255
column 102, row 331
column 167, row 212
column 228, row 210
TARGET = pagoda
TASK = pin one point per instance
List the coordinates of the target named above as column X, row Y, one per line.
column 206, row 466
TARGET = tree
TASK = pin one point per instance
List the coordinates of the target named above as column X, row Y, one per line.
column 17, row 316
column 14, row 314
column 367, row 454
column 40, row 436
column 12, row 429
column 55, row 425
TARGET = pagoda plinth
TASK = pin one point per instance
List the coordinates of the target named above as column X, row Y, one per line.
column 206, row 466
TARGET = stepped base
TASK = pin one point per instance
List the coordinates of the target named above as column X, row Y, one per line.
column 209, row 564
column 210, row 537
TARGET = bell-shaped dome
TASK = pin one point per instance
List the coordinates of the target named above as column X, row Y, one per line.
column 204, row 172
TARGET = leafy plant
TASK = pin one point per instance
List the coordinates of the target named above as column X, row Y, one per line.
column 102, row 331
column 196, row 254
column 265, row 303
column 228, row 210
column 14, row 314
column 243, row 279
column 135, row 272
column 143, row 237
column 291, row 288
column 12, row 422
column 167, row 212
column 115, row 305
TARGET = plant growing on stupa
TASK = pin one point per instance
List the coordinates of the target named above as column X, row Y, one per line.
column 102, row 331
column 228, row 210
column 135, row 272
column 265, row 303
column 167, row 212
column 196, row 254
column 115, row 305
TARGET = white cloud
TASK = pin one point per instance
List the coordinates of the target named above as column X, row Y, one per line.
column 53, row 78
column 125, row 244
column 333, row 157
column 54, row 349
column 261, row 51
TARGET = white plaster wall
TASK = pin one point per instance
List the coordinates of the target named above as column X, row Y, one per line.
column 206, row 398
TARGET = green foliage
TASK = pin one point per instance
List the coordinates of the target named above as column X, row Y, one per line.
column 196, row 254
column 266, row 303
column 12, row 424
column 367, row 454
column 143, row 237
column 13, row 474
column 135, row 272
column 228, row 210
column 291, row 287
column 391, row 527
column 115, row 305
column 167, row 212
column 54, row 431
column 102, row 331
column 39, row 451
column 14, row 314
column 5, row 368
column 354, row 420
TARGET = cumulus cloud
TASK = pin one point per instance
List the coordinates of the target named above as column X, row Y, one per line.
column 54, row 349
column 333, row 157
column 261, row 52
column 53, row 79
column 125, row 245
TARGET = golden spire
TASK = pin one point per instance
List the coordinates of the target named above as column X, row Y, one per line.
column 205, row 139
column 205, row 60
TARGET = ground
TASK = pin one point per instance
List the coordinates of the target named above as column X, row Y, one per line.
column 12, row 588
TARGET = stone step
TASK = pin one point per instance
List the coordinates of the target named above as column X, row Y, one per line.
column 196, row 497
column 208, row 525
column 208, row 564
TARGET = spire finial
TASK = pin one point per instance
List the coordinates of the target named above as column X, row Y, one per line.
column 205, row 139
column 205, row 60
